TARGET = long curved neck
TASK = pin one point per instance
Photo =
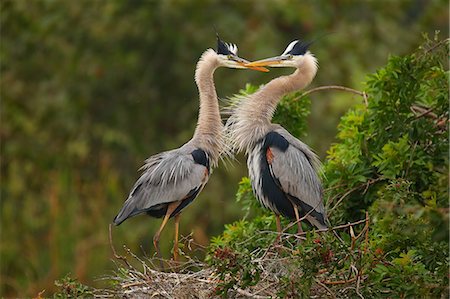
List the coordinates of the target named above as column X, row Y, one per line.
column 209, row 128
column 265, row 100
column 251, row 120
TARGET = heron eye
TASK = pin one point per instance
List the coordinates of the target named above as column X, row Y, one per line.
column 290, row 56
column 230, row 57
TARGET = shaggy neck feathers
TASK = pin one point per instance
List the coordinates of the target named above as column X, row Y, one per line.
column 251, row 119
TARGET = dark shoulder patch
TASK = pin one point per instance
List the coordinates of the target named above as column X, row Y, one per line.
column 274, row 139
column 200, row 157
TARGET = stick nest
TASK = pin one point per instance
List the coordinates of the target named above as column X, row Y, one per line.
column 155, row 278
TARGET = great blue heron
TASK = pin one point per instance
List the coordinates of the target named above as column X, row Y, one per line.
column 171, row 180
column 282, row 169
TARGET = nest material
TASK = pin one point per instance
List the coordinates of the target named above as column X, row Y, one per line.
column 158, row 284
column 193, row 279
column 151, row 283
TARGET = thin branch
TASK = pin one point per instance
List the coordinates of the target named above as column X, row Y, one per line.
column 422, row 112
column 326, row 288
column 365, row 226
column 264, row 289
column 367, row 232
column 342, row 198
column 133, row 284
column 337, row 87
column 250, row 295
column 367, row 184
column 411, row 157
column 353, row 238
column 436, row 46
column 370, row 182
column 334, row 187
column 339, row 281
column 334, row 228
column 119, row 257
column 358, row 281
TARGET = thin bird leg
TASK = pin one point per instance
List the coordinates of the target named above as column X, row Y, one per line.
column 297, row 217
column 175, row 244
column 278, row 239
column 170, row 208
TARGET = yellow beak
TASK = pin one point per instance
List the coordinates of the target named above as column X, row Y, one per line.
column 256, row 68
column 242, row 62
column 265, row 62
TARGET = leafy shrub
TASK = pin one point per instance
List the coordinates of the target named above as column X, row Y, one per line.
column 393, row 137
column 71, row 288
column 390, row 161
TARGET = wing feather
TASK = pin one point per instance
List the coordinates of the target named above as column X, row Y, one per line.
column 166, row 177
column 296, row 171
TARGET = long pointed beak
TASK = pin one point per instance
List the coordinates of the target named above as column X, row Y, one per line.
column 265, row 62
column 256, row 68
column 244, row 63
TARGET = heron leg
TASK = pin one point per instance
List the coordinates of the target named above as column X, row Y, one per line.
column 175, row 244
column 170, row 208
column 297, row 217
column 278, row 239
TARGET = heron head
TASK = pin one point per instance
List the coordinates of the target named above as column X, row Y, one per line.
column 227, row 55
column 292, row 56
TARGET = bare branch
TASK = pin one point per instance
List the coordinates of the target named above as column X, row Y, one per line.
column 119, row 257
column 326, row 288
column 336, row 87
column 439, row 44
column 367, row 184
column 331, row 228
column 250, row 295
column 422, row 111
column 342, row 198
column 340, row 281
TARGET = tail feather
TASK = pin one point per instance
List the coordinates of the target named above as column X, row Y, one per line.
column 126, row 212
column 317, row 223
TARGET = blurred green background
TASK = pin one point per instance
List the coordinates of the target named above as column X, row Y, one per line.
column 89, row 89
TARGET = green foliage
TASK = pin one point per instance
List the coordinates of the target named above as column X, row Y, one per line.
column 392, row 158
column 247, row 200
column 246, row 256
column 233, row 262
column 392, row 137
column 387, row 162
column 391, row 161
column 414, row 241
column 71, row 288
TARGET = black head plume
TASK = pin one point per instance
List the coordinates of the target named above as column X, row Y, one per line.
column 297, row 47
column 225, row 48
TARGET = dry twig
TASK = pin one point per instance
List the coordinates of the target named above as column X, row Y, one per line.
column 119, row 257
column 250, row 295
column 335, row 87
column 326, row 288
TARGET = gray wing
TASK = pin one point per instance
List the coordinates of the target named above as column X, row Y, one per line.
column 167, row 177
column 296, row 171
